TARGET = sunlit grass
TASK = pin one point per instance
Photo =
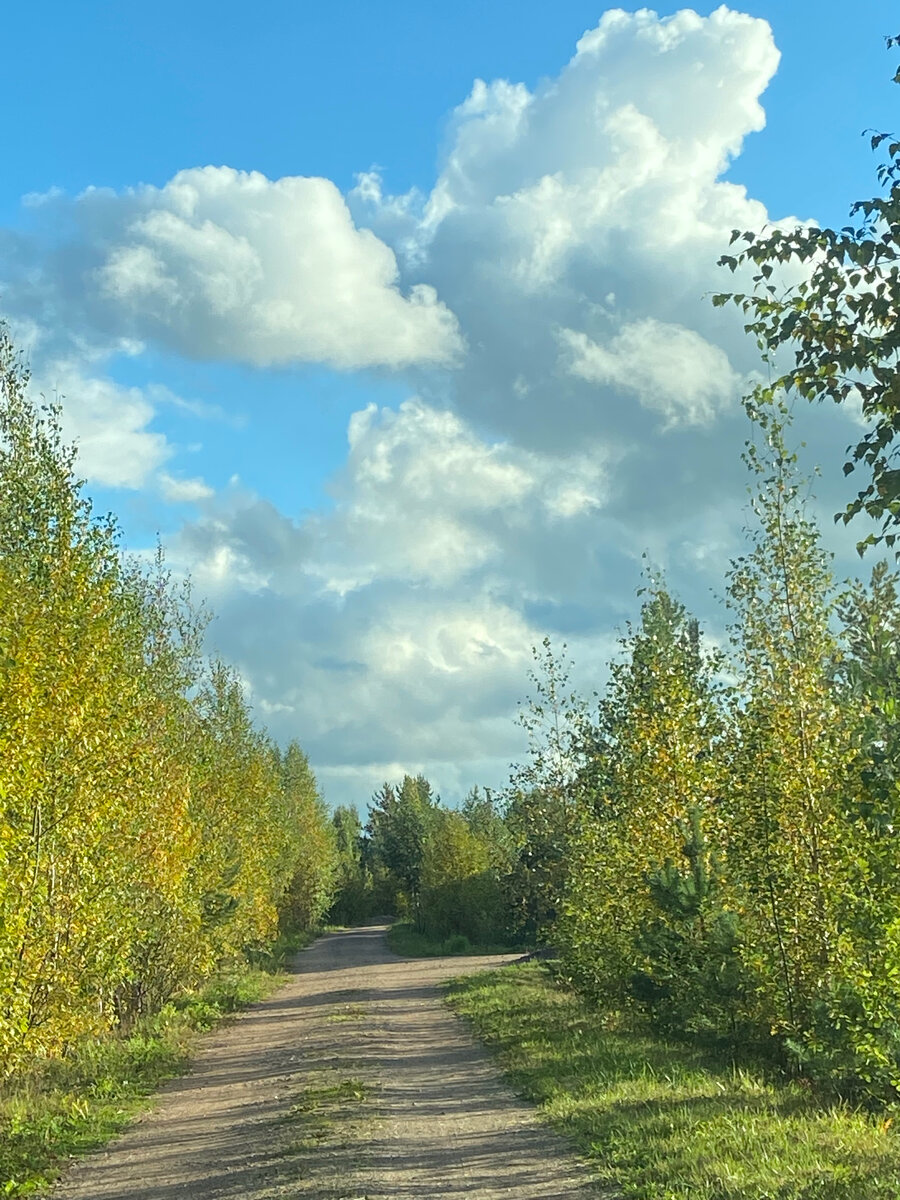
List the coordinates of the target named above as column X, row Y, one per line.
column 667, row 1122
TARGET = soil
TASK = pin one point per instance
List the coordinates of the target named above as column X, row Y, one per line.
column 352, row 1082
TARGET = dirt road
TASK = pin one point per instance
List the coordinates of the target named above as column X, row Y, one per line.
column 353, row 1082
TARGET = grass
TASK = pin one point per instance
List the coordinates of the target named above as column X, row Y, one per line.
column 349, row 1012
column 67, row 1107
column 667, row 1122
column 319, row 1111
column 404, row 939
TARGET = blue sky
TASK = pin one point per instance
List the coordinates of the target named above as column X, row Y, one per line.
column 505, row 315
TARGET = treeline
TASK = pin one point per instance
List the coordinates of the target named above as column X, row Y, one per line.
column 444, row 869
column 148, row 830
column 715, row 848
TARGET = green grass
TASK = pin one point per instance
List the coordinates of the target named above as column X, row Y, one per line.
column 64, row 1108
column 328, row 1114
column 348, row 1013
column 319, row 1110
column 404, row 939
column 667, row 1122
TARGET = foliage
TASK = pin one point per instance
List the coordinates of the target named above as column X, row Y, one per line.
column 442, row 866
column 400, row 820
column 460, row 886
column 652, row 769
column 353, row 892
column 542, row 811
column 692, row 978
column 148, row 831
column 840, row 321
column 789, row 747
column 727, row 855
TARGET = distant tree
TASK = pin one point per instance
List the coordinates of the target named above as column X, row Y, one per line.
column 484, row 816
column 399, row 823
column 542, row 810
column 353, row 898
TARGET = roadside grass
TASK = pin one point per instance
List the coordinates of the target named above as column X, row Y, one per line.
column 404, row 939
column 665, row 1121
column 64, row 1108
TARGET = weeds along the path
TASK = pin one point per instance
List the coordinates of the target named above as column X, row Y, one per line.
column 331, row 1112
column 67, row 1107
column 667, row 1122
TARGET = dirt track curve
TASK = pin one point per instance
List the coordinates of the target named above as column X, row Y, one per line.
column 352, row 1082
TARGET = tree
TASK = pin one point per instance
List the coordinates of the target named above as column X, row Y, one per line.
column 651, row 770
column 399, row 823
column 148, row 830
column 541, row 813
column 790, row 745
column 841, row 323
column 354, row 897
column 459, row 889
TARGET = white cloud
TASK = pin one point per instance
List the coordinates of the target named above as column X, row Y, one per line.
column 424, row 500
column 594, row 205
column 230, row 265
column 671, row 370
column 109, row 423
column 184, row 491
column 398, row 626
column 573, row 231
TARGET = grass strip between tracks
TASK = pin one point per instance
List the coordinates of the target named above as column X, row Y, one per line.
column 66, row 1107
column 666, row 1121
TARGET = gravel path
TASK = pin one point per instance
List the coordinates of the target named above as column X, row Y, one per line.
column 353, row 1082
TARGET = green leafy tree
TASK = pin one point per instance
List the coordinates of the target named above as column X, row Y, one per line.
column 790, row 748
column 460, row 888
column 400, row 819
column 541, row 812
column 651, row 766
column 840, row 323
column 148, row 830
column 354, row 898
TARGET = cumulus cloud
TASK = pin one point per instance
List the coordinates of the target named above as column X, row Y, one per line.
column 573, row 231
column 424, row 500
column 230, row 265
column 397, row 627
column 184, row 491
column 590, row 213
column 671, row 370
column 110, row 424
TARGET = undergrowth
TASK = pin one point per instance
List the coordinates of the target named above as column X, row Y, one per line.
column 665, row 1121
column 404, row 939
column 63, row 1108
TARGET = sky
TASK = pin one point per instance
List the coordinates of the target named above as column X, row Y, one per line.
column 392, row 323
